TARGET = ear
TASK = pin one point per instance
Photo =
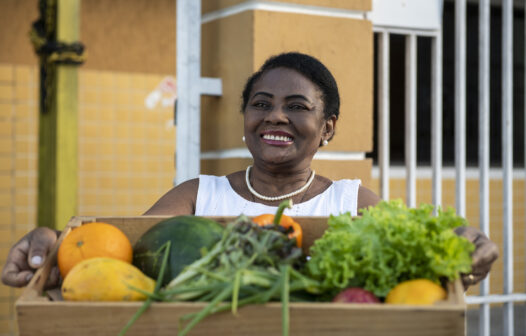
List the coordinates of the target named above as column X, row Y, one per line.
column 329, row 128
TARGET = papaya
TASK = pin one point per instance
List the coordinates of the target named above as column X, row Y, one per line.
column 188, row 235
column 105, row 279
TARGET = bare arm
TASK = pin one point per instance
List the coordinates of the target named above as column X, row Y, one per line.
column 366, row 198
column 180, row 200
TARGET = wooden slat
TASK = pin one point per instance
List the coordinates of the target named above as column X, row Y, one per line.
column 69, row 318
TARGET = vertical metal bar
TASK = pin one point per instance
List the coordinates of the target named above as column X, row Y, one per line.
column 507, row 154
column 460, row 106
column 383, row 113
column 410, row 118
column 484, row 100
column 436, row 118
column 189, row 96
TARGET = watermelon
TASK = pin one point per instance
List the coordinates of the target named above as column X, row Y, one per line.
column 189, row 235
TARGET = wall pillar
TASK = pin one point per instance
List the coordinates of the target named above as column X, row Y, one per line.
column 238, row 36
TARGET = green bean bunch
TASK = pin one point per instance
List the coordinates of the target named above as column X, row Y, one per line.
column 249, row 265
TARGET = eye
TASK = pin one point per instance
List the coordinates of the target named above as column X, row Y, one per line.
column 262, row 105
column 297, row 107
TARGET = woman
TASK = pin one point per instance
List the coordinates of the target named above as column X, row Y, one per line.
column 290, row 106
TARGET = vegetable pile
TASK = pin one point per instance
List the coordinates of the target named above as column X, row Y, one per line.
column 390, row 254
column 389, row 244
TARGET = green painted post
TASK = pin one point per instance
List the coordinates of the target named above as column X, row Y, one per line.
column 58, row 133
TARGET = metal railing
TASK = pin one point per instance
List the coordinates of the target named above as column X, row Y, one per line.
column 508, row 298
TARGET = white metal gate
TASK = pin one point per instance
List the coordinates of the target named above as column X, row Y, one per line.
column 419, row 18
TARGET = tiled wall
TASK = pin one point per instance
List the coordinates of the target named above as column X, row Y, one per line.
column 125, row 153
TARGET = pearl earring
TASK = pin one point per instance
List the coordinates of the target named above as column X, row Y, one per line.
column 325, row 143
column 243, row 138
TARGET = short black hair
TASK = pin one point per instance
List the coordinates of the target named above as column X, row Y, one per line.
column 309, row 67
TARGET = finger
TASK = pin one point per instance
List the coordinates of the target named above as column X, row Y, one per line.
column 41, row 242
column 17, row 262
column 53, row 279
column 486, row 253
column 16, row 278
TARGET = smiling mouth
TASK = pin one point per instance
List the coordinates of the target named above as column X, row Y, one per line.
column 278, row 138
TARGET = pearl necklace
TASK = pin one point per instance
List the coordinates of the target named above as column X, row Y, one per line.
column 277, row 198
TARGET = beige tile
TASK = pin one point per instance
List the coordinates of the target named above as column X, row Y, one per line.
column 90, row 165
column 6, row 199
column 21, row 200
column 106, row 80
column 107, row 149
column 107, row 114
column 123, row 80
column 24, row 75
column 105, row 131
column 89, row 79
column 106, row 165
column 137, row 99
column 122, row 98
column 90, row 199
column 122, row 165
column 6, row 215
column 6, row 162
column 6, row 92
column 6, row 111
column 6, row 73
column 89, row 131
column 106, row 97
column 6, row 182
column 122, row 132
column 25, row 111
column 24, row 128
column 89, row 96
column 89, row 148
column 22, row 93
column 89, row 113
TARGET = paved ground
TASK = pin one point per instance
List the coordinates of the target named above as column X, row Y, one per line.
column 496, row 321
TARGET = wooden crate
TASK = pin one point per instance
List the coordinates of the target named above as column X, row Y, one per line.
column 39, row 314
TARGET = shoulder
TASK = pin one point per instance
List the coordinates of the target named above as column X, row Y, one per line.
column 366, row 198
column 180, row 200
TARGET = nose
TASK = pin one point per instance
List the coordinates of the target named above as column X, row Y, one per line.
column 277, row 115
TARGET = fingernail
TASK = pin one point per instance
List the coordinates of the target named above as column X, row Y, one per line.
column 36, row 260
column 29, row 276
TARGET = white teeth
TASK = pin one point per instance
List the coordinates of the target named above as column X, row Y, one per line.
column 276, row 137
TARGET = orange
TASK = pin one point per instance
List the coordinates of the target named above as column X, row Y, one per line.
column 417, row 292
column 90, row 241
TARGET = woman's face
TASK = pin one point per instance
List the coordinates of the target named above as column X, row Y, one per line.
column 284, row 120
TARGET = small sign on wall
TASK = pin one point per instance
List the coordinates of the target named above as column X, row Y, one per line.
column 165, row 93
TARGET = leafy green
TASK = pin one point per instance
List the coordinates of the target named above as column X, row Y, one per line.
column 389, row 244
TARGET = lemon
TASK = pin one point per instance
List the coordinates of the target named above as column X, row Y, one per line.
column 416, row 292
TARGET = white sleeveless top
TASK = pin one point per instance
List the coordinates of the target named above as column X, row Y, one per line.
column 215, row 197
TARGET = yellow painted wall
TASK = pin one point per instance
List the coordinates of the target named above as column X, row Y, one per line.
column 125, row 153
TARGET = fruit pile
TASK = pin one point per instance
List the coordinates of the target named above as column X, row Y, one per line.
column 95, row 263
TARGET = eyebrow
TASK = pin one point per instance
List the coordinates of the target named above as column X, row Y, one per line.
column 264, row 94
column 294, row 96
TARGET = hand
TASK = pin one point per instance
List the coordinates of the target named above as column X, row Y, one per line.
column 27, row 255
column 486, row 252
